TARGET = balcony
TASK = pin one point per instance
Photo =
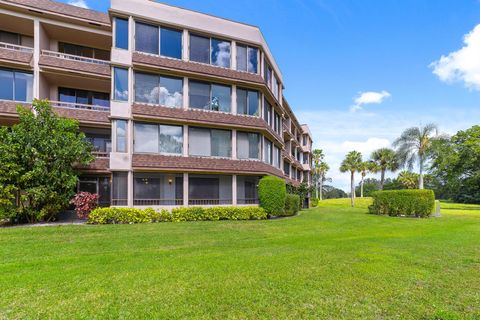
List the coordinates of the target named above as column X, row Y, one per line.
column 83, row 112
column 15, row 54
column 72, row 63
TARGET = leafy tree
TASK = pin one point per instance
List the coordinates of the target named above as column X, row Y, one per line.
column 363, row 169
column 408, row 179
column 384, row 159
column 320, row 168
column 414, row 146
column 351, row 164
column 370, row 185
column 38, row 156
column 333, row 193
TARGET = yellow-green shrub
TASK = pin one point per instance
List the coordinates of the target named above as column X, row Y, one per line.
column 415, row 203
column 292, row 205
column 272, row 192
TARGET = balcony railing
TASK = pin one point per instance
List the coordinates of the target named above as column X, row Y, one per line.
column 120, row 202
column 158, row 202
column 209, row 202
column 73, row 57
column 248, row 201
column 101, row 154
column 15, row 47
column 71, row 105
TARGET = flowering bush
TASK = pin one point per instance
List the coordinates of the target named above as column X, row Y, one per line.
column 84, row 203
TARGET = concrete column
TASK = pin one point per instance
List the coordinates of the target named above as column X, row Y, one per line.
column 234, row 190
column 130, row 189
column 234, row 56
column 185, row 140
column 234, row 144
column 185, row 189
column 131, row 35
column 234, row 99
column 113, row 136
column 185, row 93
column 185, row 45
column 36, row 58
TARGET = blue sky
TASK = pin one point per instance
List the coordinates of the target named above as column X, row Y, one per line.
column 332, row 51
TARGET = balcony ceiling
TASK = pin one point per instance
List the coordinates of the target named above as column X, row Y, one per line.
column 16, row 24
column 75, row 36
column 76, row 82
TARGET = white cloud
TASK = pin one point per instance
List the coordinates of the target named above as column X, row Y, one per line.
column 79, row 3
column 369, row 97
column 462, row 65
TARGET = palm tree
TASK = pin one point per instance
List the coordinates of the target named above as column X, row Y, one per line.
column 385, row 159
column 320, row 168
column 363, row 169
column 414, row 146
column 351, row 163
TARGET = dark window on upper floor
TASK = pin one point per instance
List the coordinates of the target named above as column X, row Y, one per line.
column 161, row 90
column 247, row 102
column 16, row 85
column 120, row 82
column 248, row 145
column 210, row 142
column 208, row 96
column 158, row 40
column 210, row 50
column 83, row 51
column 267, row 112
column 305, row 141
column 100, row 142
column 286, row 168
column 247, row 59
column 84, row 97
column 121, row 33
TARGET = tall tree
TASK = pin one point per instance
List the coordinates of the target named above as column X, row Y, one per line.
column 414, row 146
column 363, row 169
column 39, row 156
column 352, row 163
column 385, row 159
column 320, row 169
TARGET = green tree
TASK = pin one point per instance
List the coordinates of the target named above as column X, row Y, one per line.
column 384, row 159
column 408, row 179
column 39, row 156
column 414, row 146
column 351, row 164
column 363, row 169
column 320, row 168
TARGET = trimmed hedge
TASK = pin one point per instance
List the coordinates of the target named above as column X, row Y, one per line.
column 132, row 216
column 314, row 202
column 411, row 203
column 292, row 205
column 272, row 192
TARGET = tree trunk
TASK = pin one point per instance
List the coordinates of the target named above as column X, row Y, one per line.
column 352, row 188
column 382, row 179
column 316, row 189
column 420, row 178
column 321, row 188
column 361, row 188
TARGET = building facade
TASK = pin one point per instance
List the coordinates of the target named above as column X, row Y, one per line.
column 183, row 108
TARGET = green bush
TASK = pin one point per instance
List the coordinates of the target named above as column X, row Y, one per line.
column 314, row 202
column 131, row 216
column 412, row 203
column 292, row 205
column 272, row 192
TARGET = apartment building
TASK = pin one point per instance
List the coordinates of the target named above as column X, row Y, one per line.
column 183, row 108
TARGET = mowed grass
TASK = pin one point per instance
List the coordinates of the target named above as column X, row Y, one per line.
column 332, row 262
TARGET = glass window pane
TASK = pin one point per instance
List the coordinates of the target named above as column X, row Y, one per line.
column 221, row 53
column 253, row 146
column 146, row 38
column 102, row 54
column 121, row 135
column 267, row 152
column 253, row 103
column 147, row 88
column 171, row 139
column 241, row 58
column 67, row 48
column 171, row 43
column 203, row 188
column 242, row 104
column 84, row 51
column 146, row 138
column 101, row 99
column 120, row 189
column 146, row 186
column 253, row 60
column 171, row 92
column 6, row 85
column 199, row 49
column 242, row 145
column 121, row 33
column 23, row 86
column 199, row 141
column 267, row 112
column 67, row 95
column 221, row 143
column 221, row 98
column 121, row 84
column 199, row 93
column 9, row 37
column 275, row 159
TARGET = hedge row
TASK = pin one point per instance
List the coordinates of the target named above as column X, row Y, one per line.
column 272, row 192
column 410, row 203
column 292, row 205
column 132, row 216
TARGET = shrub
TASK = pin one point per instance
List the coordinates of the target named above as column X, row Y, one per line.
column 131, row 216
column 314, row 202
column 272, row 192
column 84, row 203
column 416, row 203
column 292, row 205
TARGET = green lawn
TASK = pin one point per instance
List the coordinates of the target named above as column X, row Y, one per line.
column 332, row 262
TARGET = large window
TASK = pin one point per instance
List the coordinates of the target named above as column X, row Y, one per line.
column 268, row 73
column 210, row 142
column 96, row 185
column 247, row 59
column 208, row 96
column 277, row 123
column 16, row 85
column 101, row 142
column 247, row 190
column 155, row 89
column 121, row 135
column 267, row 151
column 209, row 189
column 120, row 79
column 248, row 145
column 213, row 51
column 247, row 102
column 157, row 189
column 121, row 33
column 154, row 138
column 276, row 157
column 120, row 189
column 82, row 51
column 267, row 112
column 286, row 168
column 83, row 97
column 158, row 40
column 15, row 38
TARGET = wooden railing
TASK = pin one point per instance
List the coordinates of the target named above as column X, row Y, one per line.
column 73, row 57
column 15, row 47
column 71, row 105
